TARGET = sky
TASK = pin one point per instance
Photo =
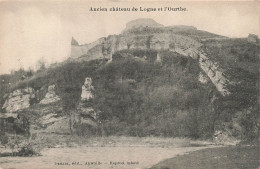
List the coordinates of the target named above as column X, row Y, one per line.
column 33, row 31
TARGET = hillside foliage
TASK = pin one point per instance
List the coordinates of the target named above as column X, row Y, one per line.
column 136, row 96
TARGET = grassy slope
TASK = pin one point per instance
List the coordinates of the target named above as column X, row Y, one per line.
column 238, row 157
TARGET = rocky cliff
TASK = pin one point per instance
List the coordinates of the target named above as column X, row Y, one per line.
column 49, row 111
column 23, row 98
column 19, row 99
column 214, row 73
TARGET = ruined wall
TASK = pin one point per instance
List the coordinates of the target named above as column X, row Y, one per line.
column 104, row 48
column 79, row 50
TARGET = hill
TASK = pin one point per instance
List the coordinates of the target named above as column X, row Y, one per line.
column 148, row 81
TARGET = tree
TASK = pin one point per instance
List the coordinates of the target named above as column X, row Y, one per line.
column 41, row 65
column 69, row 105
column 69, row 90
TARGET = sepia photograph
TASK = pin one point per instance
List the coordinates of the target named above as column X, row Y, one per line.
column 153, row 84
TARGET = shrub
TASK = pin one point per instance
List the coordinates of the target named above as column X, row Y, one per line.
column 85, row 130
column 3, row 139
column 27, row 150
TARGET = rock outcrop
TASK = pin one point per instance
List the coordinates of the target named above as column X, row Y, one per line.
column 50, row 119
column 87, row 90
column 202, row 78
column 54, row 123
column 50, row 96
column 224, row 138
column 214, row 73
column 85, row 113
column 59, row 126
column 19, row 99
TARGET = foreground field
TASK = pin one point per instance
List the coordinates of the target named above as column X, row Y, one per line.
column 105, row 153
column 233, row 157
column 95, row 157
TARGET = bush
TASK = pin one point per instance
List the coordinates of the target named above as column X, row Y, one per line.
column 3, row 139
column 27, row 150
column 85, row 130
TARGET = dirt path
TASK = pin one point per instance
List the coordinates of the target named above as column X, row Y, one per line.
column 101, row 157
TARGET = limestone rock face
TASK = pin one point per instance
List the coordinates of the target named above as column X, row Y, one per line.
column 55, row 123
column 87, row 90
column 202, row 78
column 49, row 116
column 214, row 73
column 19, row 99
column 50, row 96
column 86, row 114
column 224, row 138
column 59, row 126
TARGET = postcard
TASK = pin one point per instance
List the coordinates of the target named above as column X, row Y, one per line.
column 129, row 85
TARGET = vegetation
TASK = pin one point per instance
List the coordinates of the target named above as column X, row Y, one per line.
column 27, row 150
column 239, row 157
column 148, row 54
column 19, row 145
column 146, row 98
column 240, row 61
column 140, row 97
column 234, row 54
